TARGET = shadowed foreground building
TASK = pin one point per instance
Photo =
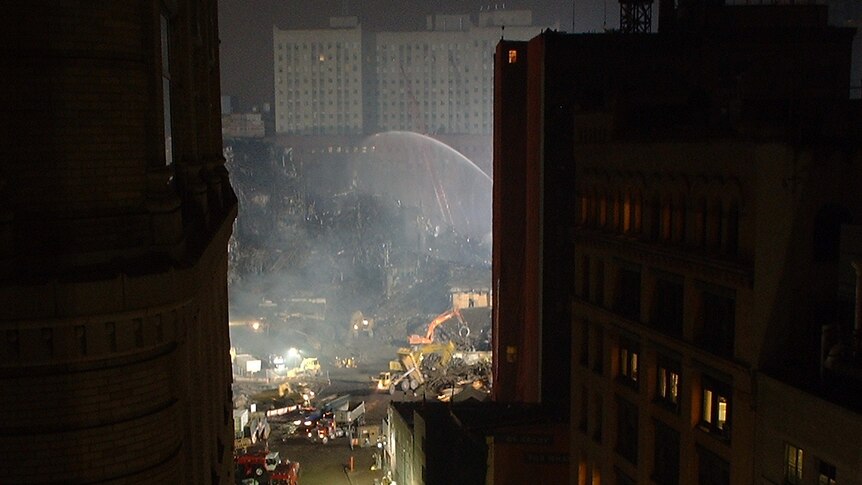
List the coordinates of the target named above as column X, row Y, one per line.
column 694, row 194
column 470, row 442
column 116, row 213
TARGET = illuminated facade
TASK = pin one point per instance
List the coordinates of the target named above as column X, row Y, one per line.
column 437, row 81
column 318, row 79
column 114, row 364
column 702, row 215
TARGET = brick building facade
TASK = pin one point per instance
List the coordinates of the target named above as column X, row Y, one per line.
column 692, row 194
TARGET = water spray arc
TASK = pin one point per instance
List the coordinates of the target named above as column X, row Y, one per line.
column 424, row 172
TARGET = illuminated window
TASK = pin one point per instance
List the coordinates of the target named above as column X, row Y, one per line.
column 715, row 411
column 668, row 384
column 628, row 362
column 164, row 38
column 513, row 56
column 627, row 212
column 793, row 458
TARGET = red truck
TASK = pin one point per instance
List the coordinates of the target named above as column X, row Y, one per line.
column 285, row 474
column 255, row 463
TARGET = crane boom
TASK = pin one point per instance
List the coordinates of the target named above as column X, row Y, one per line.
column 433, row 324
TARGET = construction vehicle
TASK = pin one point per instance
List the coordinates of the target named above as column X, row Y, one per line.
column 309, row 367
column 323, row 431
column 285, row 474
column 428, row 338
column 241, row 444
column 256, row 462
column 359, row 324
column 408, row 366
column 383, row 380
column 284, row 389
column 345, row 362
column 354, row 413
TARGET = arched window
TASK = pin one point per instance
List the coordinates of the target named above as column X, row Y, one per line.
column 583, row 201
column 603, row 210
column 627, row 212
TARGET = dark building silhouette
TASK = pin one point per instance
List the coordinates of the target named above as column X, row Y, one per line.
column 472, row 442
column 116, row 213
column 676, row 227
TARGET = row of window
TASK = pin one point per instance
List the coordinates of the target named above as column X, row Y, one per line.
column 709, row 224
column 715, row 395
column 711, row 468
column 455, row 46
column 714, row 321
column 305, row 46
column 86, row 340
column 341, row 119
column 314, row 57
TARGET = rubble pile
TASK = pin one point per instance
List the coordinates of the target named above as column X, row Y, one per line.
column 445, row 381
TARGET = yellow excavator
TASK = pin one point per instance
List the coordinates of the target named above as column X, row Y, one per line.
column 406, row 371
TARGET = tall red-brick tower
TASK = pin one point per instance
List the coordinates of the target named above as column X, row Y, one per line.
column 115, row 216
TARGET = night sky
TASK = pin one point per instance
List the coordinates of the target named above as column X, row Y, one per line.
column 245, row 28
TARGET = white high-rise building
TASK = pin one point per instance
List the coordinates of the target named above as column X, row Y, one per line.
column 441, row 80
column 436, row 81
column 318, row 79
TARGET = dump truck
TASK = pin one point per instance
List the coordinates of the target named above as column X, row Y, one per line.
column 360, row 324
column 355, row 413
column 407, row 369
